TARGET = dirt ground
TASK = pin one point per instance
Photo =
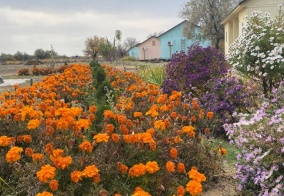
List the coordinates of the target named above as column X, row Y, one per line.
column 224, row 184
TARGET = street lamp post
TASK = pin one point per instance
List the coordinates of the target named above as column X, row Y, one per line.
column 170, row 44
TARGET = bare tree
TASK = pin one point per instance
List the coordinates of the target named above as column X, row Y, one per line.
column 130, row 42
column 156, row 34
column 93, row 45
column 207, row 14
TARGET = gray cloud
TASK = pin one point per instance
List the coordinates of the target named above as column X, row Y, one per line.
column 28, row 25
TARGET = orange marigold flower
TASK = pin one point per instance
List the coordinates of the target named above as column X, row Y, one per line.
column 101, row 137
column 48, row 148
column 206, row 130
column 129, row 123
column 33, row 124
column 194, row 187
column 164, row 108
column 170, row 166
column 57, row 153
column 115, row 137
column 201, row 114
column 96, row 178
column 53, row 185
column 117, row 194
column 160, row 124
column 195, row 104
column 91, row 117
column 62, row 162
column 110, row 128
column 92, row 109
column 180, row 191
column 153, row 146
column 37, row 156
column 140, row 192
column 44, row 193
column 222, row 151
column 13, row 154
column 195, row 175
column 174, row 153
column 86, row 146
column 181, row 168
column 137, row 170
column 122, row 168
column 173, row 115
column 210, row 115
column 29, row 152
column 76, row 176
column 137, row 114
column 108, row 114
column 152, row 167
column 151, row 131
column 45, row 173
column 124, row 129
column 27, row 138
column 4, row 141
column 193, row 119
column 90, row 171
column 187, row 129
column 185, row 106
column 177, row 139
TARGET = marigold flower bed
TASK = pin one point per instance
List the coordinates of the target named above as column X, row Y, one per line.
column 148, row 143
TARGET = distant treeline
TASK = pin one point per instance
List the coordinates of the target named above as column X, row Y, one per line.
column 39, row 54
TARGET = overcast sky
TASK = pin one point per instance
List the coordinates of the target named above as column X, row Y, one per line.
column 27, row 25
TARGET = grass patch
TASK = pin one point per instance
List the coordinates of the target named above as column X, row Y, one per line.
column 232, row 151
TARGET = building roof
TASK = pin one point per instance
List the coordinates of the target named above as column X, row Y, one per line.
column 238, row 8
column 172, row 28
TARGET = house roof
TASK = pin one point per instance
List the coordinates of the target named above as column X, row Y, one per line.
column 148, row 39
column 237, row 9
column 134, row 46
column 172, row 28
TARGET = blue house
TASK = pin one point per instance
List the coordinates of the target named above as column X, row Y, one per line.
column 134, row 52
column 174, row 40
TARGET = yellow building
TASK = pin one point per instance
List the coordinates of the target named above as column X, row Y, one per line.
column 236, row 20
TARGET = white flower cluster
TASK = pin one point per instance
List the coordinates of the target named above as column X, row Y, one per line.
column 259, row 50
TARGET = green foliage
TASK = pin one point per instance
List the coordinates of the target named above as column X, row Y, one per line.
column 94, row 63
column 153, row 74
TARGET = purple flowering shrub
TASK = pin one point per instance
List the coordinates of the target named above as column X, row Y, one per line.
column 194, row 68
column 260, row 139
column 224, row 97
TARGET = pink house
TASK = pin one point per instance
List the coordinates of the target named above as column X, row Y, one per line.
column 149, row 49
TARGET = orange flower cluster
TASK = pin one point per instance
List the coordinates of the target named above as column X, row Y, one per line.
column 189, row 130
column 47, row 172
column 101, row 137
column 44, row 193
column 140, row 192
column 86, row 146
column 122, row 168
column 194, row 186
column 90, row 171
column 58, row 160
column 137, row 170
column 5, row 141
column 13, row 154
column 55, row 111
